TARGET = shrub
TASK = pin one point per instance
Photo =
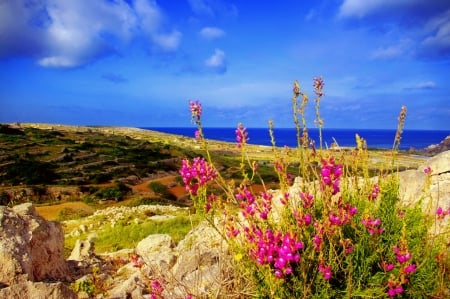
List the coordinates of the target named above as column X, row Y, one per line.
column 335, row 233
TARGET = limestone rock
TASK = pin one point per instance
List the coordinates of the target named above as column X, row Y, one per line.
column 412, row 183
column 198, row 267
column 31, row 248
column 38, row 290
column 157, row 252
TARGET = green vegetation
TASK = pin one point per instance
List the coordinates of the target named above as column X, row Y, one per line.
column 126, row 233
column 71, row 214
column 338, row 232
column 42, row 156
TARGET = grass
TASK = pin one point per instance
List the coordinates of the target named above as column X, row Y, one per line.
column 127, row 233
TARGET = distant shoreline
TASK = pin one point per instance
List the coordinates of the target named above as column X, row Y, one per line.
column 376, row 138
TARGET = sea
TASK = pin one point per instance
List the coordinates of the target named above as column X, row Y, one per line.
column 376, row 139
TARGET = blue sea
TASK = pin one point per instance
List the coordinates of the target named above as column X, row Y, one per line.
column 381, row 139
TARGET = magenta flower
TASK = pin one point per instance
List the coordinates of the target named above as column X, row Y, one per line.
column 441, row 213
column 278, row 250
column 410, row 268
column 307, row 199
column 402, row 253
column 394, row 288
column 196, row 111
column 427, row 170
column 387, row 266
column 373, row 226
column 375, row 191
column 330, row 175
column 196, row 174
column 241, row 135
column 325, row 270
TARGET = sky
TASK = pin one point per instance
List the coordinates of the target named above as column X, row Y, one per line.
column 139, row 62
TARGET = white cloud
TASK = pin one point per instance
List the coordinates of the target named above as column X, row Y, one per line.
column 201, row 7
column 75, row 32
column 211, row 32
column 392, row 51
column 360, row 9
column 168, row 41
column 424, row 85
column 217, row 61
column 438, row 35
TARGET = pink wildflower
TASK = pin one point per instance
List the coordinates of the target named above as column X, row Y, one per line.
column 318, row 86
column 410, row 268
column 241, row 135
column 375, row 191
column 196, row 174
column 373, row 226
column 325, row 270
column 196, row 111
column 330, row 175
column 427, row 170
column 387, row 266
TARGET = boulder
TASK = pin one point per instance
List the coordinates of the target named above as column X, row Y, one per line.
column 200, row 262
column 414, row 186
column 157, row 252
column 31, row 248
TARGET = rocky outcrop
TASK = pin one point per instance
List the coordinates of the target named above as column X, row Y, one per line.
column 434, row 149
column 413, row 183
column 31, row 253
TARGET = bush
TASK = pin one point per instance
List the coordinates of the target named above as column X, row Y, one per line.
column 157, row 187
column 336, row 233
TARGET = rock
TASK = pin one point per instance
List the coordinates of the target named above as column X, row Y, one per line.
column 157, row 252
column 198, row 267
column 433, row 194
column 82, row 251
column 133, row 287
column 443, row 146
column 38, row 290
column 412, row 183
column 31, row 248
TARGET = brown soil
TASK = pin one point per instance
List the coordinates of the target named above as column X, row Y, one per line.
column 51, row 212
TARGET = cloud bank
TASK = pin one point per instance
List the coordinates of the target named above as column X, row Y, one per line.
column 71, row 33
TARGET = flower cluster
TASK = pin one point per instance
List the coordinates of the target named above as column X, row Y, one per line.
column 241, row 135
column 196, row 111
column 394, row 288
column 303, row 219
column 307, row 199
column 196, row 174
column 375, row 191
column 343, row 215
column 330, row 174
column 441, row 213
column 373, row 226
column 250, row 205
column 318, row 86
column 157, row 288
column 325, row 270
column 276, row 249
column 136, row 260
column 403, row 256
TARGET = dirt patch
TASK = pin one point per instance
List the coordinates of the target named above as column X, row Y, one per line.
column 51, row 212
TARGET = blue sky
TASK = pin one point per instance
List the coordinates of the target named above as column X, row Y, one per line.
column 139, row 62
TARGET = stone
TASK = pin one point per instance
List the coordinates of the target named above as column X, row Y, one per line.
column 198, row 267
column 157, row 252
column 31, row 248
column 38, row 290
